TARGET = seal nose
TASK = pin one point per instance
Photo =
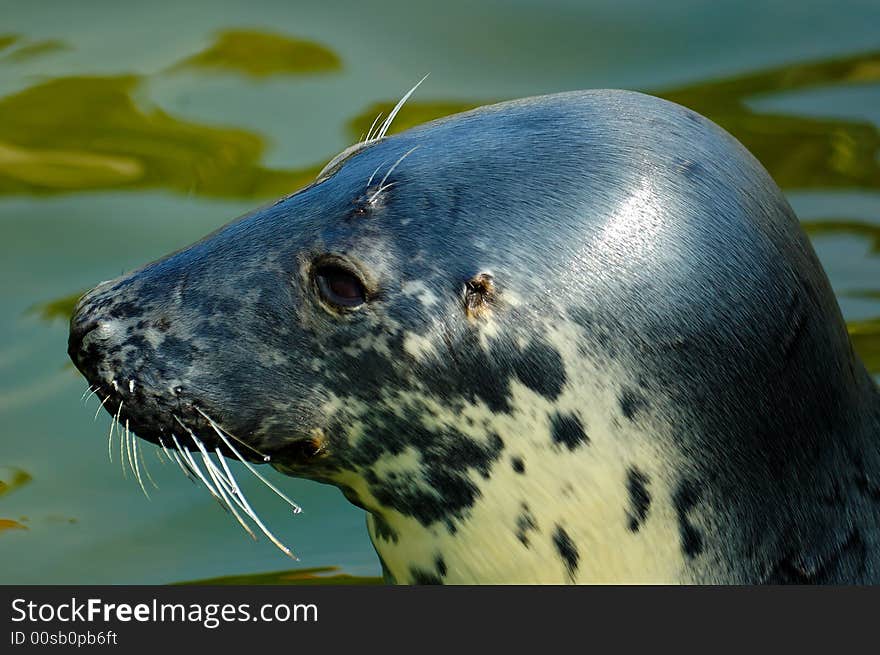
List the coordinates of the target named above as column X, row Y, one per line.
column 80, row 326
column 82, row 323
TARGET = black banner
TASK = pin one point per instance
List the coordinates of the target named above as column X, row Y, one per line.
column 391, row 619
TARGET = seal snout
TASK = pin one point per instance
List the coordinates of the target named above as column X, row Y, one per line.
column 80, row 326
column 92, row 333
column 100, row 341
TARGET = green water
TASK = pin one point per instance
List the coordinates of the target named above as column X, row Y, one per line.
column 130, row 129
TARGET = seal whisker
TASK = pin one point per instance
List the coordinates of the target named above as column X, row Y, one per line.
column 183, row 466
column 234, row 489
column 229, row 475
column 98, row 411
column 92, row 393
column 140, row 453
column 122, row 444
column 110, row 439
column 265, row 458
column 382, row 186
column 194, row 467
column 296, row 508
column 379, row 191
column 370, row 181
column 222, row 480
column 402, row 157
column 88, row 393
column 137, row 468
column 218, row 482
column 118, row 428
column 128, row 441
column 223, row 485
column 370, row 131
column 164, row 449
column 245, row 505
column 387, row 123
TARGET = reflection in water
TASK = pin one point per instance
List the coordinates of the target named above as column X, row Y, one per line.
column 867, row 231
column 255, row 53
column 66, row 169
column 11, row 524
column 866, row 340
column 799, row 152
column 86, row 133
column 323, row 575
column 61, row 308
column 13, row 478
column 33, row 49
column 7, row 40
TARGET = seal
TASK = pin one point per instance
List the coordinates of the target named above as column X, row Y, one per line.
column 565, row 339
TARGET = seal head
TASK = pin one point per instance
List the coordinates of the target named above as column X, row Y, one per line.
column 572, row 338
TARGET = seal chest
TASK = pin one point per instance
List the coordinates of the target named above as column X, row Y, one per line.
column 574, row 338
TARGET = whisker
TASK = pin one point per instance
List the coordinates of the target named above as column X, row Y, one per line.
column 296, row 508
column 89, row 392
column 110, row 439
column 128, row 446
column 93, row 392
column 235, row 491
column 98, row 411
column 195, row 469
column 164, row 448
column 373, row 197
column 370, row 181
column 245, row 505
column 402, row 157
column 218, row 485
column 121, row 438
column 140, row 453
column 232, row 481
column 385, row 125
column 219, row 480
column 265, row 458
column 137, row 469
column 370, row 131
column 382, row 185
column 184, row 467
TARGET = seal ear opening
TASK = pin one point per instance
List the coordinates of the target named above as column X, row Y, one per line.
column 480, row 296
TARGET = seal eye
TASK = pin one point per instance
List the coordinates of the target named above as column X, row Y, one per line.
column 339, row 287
